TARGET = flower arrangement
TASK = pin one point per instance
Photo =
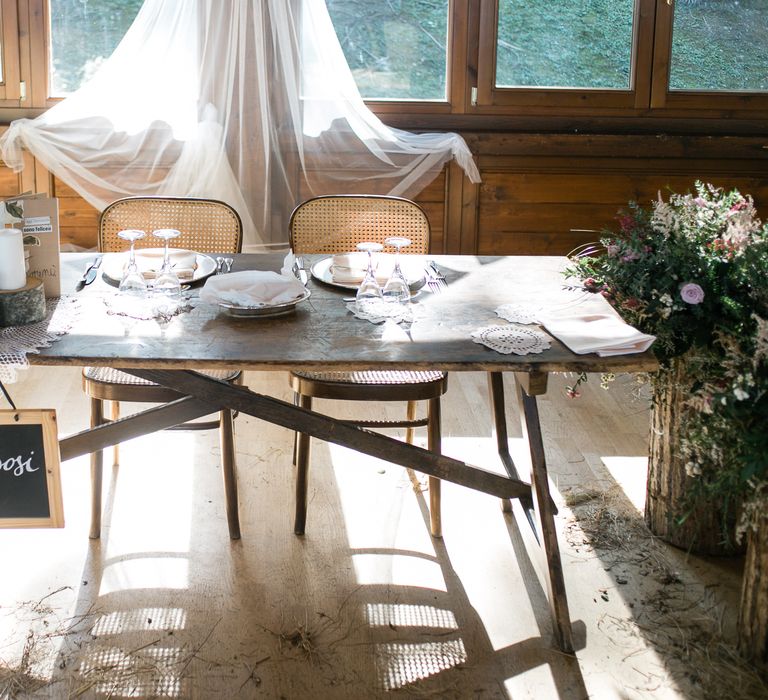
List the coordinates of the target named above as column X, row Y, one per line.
column 693, row 271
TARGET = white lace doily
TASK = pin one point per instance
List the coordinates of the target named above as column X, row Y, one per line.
column 519, row 313
column 150, row 307
column 16, row 342
column 378, row 311
column 512, row 339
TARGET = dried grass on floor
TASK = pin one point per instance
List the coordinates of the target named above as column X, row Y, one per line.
column 679, row 617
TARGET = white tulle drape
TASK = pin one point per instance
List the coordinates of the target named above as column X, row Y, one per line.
column 247, row 101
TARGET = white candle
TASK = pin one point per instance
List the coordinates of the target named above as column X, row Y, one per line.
column 12, row 272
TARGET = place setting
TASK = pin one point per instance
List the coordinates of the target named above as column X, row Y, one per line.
column 152, row 282
column 387, row 286
column 256, row 294
column 347, row 270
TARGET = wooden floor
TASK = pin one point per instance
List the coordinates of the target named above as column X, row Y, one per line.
column 367, row 604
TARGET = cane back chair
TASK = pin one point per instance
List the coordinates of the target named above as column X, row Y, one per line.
column 336, row 224
column 207, row 226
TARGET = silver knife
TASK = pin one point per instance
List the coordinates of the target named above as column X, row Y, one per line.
column 90, row 274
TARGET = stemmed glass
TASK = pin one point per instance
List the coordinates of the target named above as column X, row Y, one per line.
column 396, row 289
column 132, row 281
column 369, row 288
column 167, row 281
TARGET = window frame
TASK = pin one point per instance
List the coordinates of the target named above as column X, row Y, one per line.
column 10, row 86
column 636, row 97
column 734, row 102
column 472, row 100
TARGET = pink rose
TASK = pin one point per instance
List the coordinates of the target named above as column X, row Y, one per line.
column 691, row 293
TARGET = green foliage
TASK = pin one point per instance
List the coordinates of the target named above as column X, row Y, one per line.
column 718, row 46
column 83, row 34
column 395, row 49
column 567, row 43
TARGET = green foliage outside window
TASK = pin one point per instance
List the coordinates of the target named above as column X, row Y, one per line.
column 83, row 34
column 397, row 49
column 564, row 43
column 720, row 45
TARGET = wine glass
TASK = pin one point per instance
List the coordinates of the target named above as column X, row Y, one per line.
column 167, row 281
column 369, row 289
column 132, row 281
column 396, row 289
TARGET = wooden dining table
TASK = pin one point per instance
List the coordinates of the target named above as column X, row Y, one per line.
column 323, row 334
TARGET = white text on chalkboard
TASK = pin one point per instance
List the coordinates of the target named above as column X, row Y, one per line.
column 18, row 466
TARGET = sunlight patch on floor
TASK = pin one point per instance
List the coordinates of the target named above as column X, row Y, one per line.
column 631, row 474
column 400, row 664
column 118, row 622
column 146, row 572
column 399, row 570
column 536, row 682
column 399, row 615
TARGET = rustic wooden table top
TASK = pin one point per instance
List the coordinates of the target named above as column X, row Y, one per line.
column 323, row 333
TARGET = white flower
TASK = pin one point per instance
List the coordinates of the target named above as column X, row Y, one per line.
column 740, row 394
column 663, row 218
column 692, row 469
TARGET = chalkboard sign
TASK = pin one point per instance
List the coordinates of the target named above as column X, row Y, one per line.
column 30, row 482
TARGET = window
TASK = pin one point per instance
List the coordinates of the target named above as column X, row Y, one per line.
column 72, row 60
column 397, row 50
column 720, row 46
column 623, row 54
column 574, row 44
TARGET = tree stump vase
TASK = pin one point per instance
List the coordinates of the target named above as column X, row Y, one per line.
column 753, row 612
column 706, row 529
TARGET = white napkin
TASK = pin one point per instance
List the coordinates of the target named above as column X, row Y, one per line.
column 150, row 260
column 603, row 334
column 350, row 268
column 252, row 288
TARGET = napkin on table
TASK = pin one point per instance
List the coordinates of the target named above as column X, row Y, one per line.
column 150, row 260
column 252, row 288
column 350, row 268
column 603, row 334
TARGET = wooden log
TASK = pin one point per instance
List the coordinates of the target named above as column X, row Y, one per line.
column 19, row 307
column 705, row 527
column 753, row 612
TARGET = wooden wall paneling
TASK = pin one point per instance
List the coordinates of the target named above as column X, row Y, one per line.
column 78, row 220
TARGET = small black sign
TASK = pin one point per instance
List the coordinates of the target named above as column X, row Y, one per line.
column 30, row 484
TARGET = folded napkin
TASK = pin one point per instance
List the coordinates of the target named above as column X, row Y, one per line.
column 150, row 260
column 603, row 334
column 350, row 268
column 252, row 288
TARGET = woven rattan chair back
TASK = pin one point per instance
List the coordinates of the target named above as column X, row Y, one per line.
column 337, row 223
column 206, row 225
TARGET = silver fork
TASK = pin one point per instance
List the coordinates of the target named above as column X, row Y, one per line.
column 435, row 279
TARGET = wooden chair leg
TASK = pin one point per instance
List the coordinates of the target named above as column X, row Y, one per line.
column 97, row 471
column 410, row 414
column 227, row 441
column 302, row 473
column 295, row 434
column 115, row 415
column 434, row 438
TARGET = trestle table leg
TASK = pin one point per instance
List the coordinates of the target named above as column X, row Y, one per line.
column 545, row 516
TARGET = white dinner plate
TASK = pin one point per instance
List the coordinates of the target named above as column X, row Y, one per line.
column 264, row 311
column 322, row 271
column 112, row 268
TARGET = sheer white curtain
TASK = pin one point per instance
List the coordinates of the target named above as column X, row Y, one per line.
column 248, row 101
